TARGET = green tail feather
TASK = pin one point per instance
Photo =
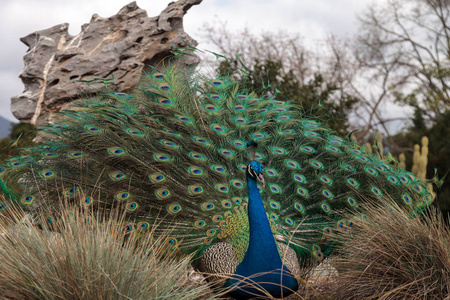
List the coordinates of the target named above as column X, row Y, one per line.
column 175, row 149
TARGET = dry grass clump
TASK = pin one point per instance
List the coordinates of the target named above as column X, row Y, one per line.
column 393, row 255
column 88, row 258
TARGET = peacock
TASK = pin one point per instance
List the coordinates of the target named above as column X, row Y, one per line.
column 252, row 185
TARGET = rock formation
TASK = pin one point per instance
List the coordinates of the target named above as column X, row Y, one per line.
column 117, row 47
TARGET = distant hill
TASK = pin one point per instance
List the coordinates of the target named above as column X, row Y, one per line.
column 5, row 127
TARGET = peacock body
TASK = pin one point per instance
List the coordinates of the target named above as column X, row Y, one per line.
column 174, row 153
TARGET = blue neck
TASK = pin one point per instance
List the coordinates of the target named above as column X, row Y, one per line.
column 261, row 247
column 261, row 257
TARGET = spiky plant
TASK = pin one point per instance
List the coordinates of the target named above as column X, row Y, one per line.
column 85, row 256
column 394, row 255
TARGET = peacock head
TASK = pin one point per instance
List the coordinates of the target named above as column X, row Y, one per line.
column 254, row 168
column 255, row 171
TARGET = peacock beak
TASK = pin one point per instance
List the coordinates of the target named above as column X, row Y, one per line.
column 260, row 178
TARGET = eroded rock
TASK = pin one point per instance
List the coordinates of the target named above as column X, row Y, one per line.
column 119, row 46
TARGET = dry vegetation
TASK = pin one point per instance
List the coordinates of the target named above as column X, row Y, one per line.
column 85, row 260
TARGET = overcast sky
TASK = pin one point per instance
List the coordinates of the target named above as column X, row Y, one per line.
column 312, row 20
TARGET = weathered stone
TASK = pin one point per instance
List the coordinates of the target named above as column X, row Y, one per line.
column 120, row 46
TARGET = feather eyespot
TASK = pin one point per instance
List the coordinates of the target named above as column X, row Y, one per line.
column 184, row 119
column 347, row 168
column 47, row 174
column 27, row 199
column 217, row 82
column 87, row 201
column 132, row 206
column 128, row 227
column 376, row 191
column 201, row 140
column 227, row 153
column 76, row 154
column 219, row 129
column 199, row 224
column 226, row 204
column 326, row 179
column 222, row 188
column 195, row 189
column 407, row 198
column 299, row 178
column 134, row 132
column 117, row 176
column 289, row 221
column 351, row 201
column 307, row 149
column 237, row 183
column 169, row 143
column 362, row 158
column 162, row 193
column 165, row 101
column 217, row 218
column 197, row 156
column 158, row 75
column 274, row 205
column 171, row 241
column 341, row 224
column 237, row 200
column 70, row 191
column 392, row 179
column 352, row 182
column 143, row 226
column 271, row 172
column 116, row 151
column 333, row 149
column 161, row 157
column 210, row 108
column 403, row 179
column 122, row 196
column 311, row 134
column 287, row 131
column 292, row 164
column 316, row 164
column 207, row 206
column 258, row 135
column 211, row 232
column 158, row 177
column 94, row 129
column 174, row 208
column 274, row 188
column 240, row 121
column 273, row 216
column 327, row 194
column 238, row 144
column 325, row 207
column 371, row 171
column 299, row 207
column 195, row 171
column 215, row 97
column 302, row 191
column 164, row 87
column 418, row 188
column 278, row 150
